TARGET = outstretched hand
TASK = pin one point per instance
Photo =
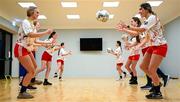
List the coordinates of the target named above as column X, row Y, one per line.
column 49, row 31
column 121, row 26
column 70, row 52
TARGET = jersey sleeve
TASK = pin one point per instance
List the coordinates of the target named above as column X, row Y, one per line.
column 27, row 28
column 62, row 52
column 150, row 22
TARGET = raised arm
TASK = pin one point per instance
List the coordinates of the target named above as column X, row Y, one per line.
column 43, row 42
column 127, row 30
column 65, row 54
column 39, row 34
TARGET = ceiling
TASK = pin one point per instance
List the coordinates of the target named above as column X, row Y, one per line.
column 56, row 14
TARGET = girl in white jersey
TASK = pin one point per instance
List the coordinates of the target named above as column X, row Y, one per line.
column 60, row 60
column 34, row 43
column 119, row 59
column 157, row 49
column 47, row 57
column 21, row 51
column 164, row 77
column 135, row 54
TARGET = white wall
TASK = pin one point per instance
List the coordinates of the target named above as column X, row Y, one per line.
column 15, row 62
column 171, row 64
column 87, row 64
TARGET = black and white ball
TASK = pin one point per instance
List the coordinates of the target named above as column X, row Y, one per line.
column 102, row 15
column 109, row 50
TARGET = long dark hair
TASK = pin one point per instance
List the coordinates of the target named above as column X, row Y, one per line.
column 119, row 43
column 137, row 20
column 147, row 7
column 51, row 35
column 62, row 44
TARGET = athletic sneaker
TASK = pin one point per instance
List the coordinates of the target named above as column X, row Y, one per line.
column 166, row 80
column 154, row 95
column 47, row 83
column 146, row 87
column 55, row 75
column 60, row 78
column 131, row 79
column 120, row 78
column 133, row 82
column 124, row 74
column 152, row 88
column 31, row 87
column 36, row 82
column 25, row 95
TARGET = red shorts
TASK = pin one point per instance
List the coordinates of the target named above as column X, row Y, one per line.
column 134, row 57
column 144, row 50
column 158, row 50
column 119, row 64
column 46, row 56
column 20, row 51
column 61, row 61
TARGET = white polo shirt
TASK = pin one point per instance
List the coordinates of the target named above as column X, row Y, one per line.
column 25, row 28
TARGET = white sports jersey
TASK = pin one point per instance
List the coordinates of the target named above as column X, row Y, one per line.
column 118, row 51
column 61, row 53
column 25, row 28
column 154, row 28
column 134, row 50
column 51, row 48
